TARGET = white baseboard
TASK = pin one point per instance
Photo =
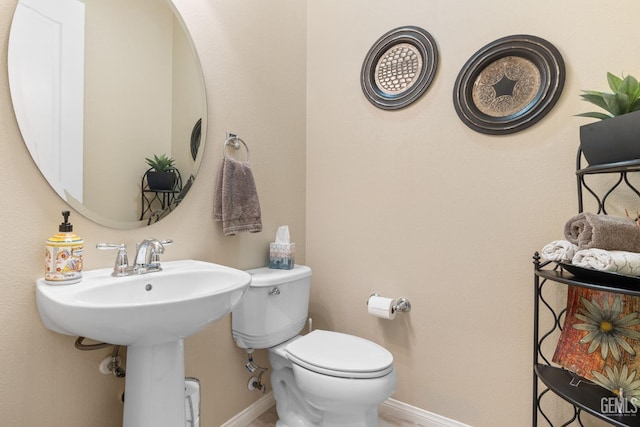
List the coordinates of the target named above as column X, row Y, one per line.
column 416, row 415
column 256, row 409
column 391, row 407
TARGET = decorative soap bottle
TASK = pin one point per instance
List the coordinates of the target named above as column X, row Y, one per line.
column 63, row 257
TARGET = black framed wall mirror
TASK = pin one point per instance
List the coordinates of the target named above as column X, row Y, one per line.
column 97, row 87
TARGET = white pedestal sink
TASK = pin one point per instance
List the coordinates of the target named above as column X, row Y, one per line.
column 151, row 314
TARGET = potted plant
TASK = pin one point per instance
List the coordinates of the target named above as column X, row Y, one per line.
column 161, row 176
column 616, row 137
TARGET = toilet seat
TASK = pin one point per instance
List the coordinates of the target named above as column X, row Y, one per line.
column 340, row 355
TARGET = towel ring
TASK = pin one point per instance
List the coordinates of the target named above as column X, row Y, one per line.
column 235, row 142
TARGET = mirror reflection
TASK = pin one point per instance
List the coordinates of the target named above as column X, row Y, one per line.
column 98, row 87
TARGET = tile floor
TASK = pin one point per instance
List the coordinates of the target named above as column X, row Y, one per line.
column 269, row 418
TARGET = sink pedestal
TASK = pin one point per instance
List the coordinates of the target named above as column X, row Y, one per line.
column 151, row 314
column 154, row 386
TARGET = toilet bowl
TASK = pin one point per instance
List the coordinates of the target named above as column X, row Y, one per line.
column 341, row 377
column 323, row 378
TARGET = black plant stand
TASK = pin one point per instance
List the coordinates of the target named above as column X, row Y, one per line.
column 157, row 203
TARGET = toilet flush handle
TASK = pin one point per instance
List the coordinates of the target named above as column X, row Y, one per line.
column 274, row 291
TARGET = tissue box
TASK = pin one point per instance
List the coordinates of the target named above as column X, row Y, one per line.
column 282, row 255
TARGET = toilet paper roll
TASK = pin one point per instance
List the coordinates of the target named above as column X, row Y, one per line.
column 381, row 307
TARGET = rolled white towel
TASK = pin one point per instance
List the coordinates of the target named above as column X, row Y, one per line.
column 559, row 250
column 622, row 262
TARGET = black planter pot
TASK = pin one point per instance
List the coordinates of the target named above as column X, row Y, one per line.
column 611, row 140
column 161, row 181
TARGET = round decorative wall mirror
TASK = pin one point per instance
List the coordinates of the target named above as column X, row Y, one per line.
column 98, row 86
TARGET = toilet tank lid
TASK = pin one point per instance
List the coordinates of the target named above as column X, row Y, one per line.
column 265, row 276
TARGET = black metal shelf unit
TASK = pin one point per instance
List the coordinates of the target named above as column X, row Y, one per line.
column 621, row 169
column 583, row 395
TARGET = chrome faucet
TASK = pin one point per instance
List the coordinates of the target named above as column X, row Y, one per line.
column 147, row 257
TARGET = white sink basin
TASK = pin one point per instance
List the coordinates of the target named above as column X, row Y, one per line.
column 152, row 314
column 149, row 308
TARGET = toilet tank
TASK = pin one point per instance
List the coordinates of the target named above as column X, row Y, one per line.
column 274, row 308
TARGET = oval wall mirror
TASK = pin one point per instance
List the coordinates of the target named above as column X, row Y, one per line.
column 98, row 86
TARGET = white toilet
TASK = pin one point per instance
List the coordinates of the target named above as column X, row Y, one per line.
column 323, row 378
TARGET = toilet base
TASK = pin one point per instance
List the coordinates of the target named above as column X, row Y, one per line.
column 293, row 410
column 306, row 399
column 366, row 419
column 340, row 421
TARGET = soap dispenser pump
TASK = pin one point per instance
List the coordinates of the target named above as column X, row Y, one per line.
column 63, row 256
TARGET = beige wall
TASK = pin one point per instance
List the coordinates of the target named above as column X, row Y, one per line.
column 44, row 381
column 407, row 203
column 413, row 203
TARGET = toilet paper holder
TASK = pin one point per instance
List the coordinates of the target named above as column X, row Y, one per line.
column 402, row 304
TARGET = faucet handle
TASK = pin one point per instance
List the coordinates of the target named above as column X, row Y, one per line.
column 155, row 255
column 122, row 262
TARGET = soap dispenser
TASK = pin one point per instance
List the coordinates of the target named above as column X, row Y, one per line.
column 63, row 256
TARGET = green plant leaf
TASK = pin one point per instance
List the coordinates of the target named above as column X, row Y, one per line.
column 595, row 98
column 595, row 115
column 623, row 103
column 161, row 163
column 614, row 82
column 614, row 105
column 629, row 86
column 624, row 99
column 636, row 95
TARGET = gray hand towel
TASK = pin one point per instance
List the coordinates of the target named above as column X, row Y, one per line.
column 612, row 233
column 236, row 198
